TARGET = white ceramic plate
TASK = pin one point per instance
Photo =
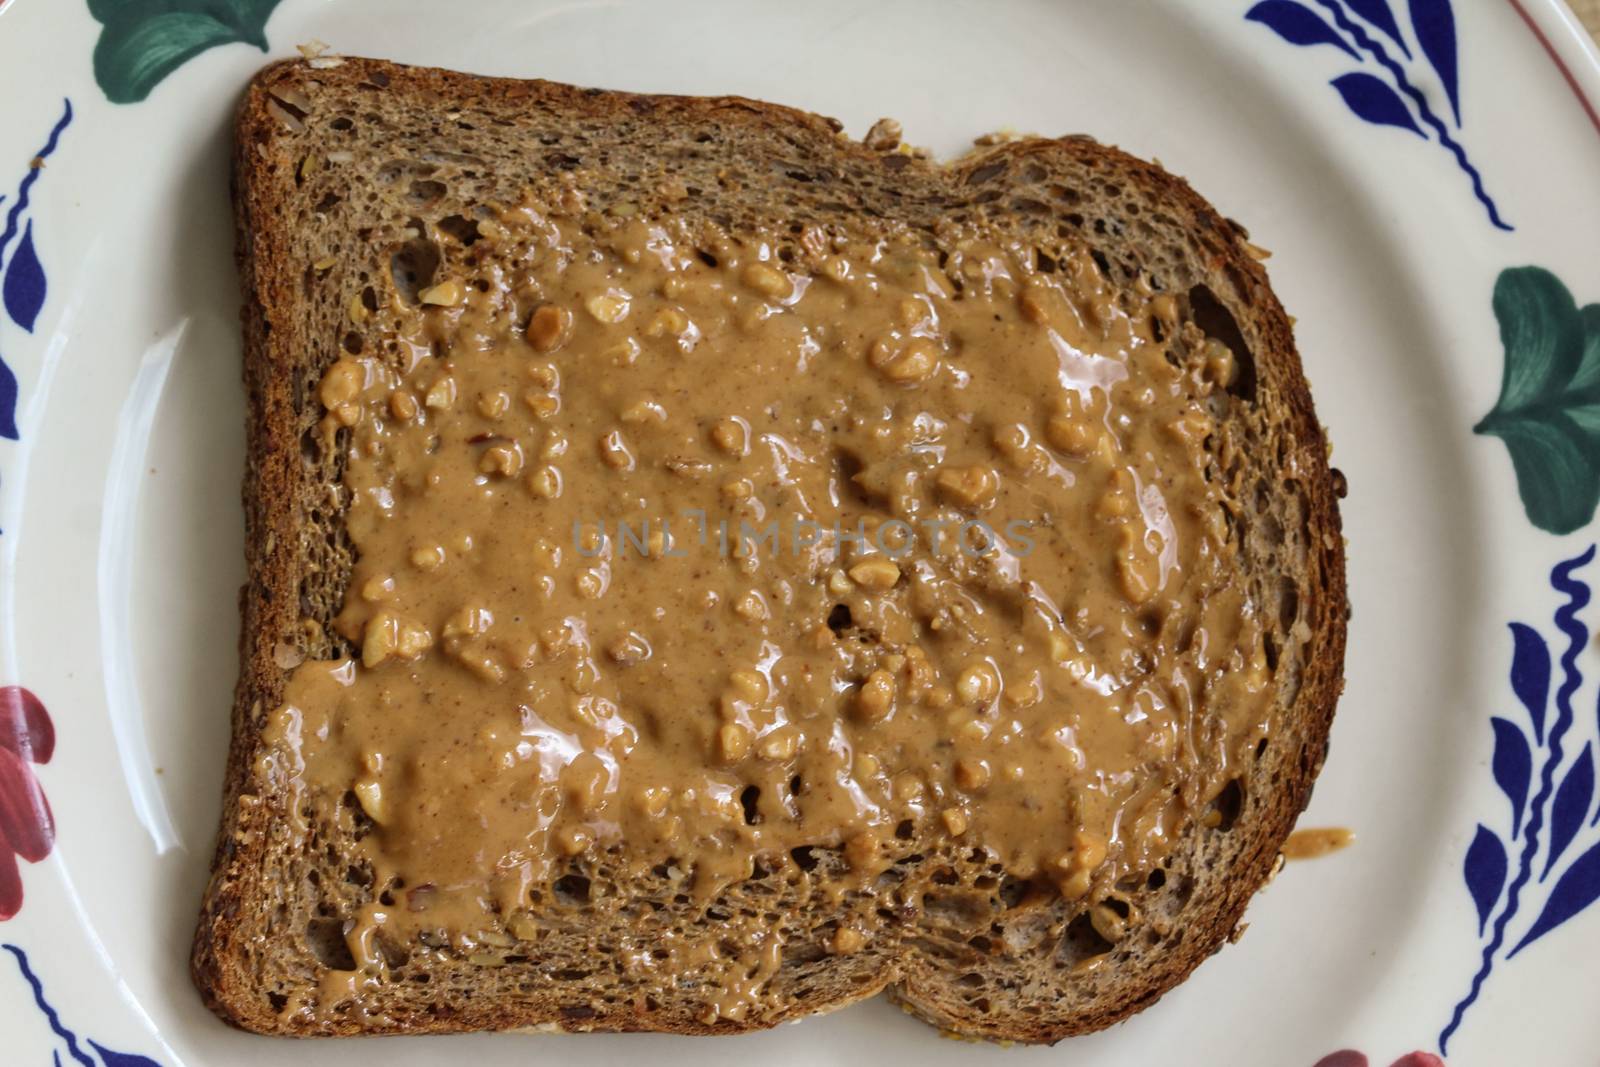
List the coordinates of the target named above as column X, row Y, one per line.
column 1384, row 149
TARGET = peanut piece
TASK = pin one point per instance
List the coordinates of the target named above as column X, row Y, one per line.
column 875, row 699
column 971, row 774
column 609, row 307
column 733, row 742
column 905, row 364
column 875, row 573
column 978, row 684
column 447, row 293
column 973, row 487
column 549, row 327
column 768, row 281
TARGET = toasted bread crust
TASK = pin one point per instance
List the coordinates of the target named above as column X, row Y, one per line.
column 237, row 960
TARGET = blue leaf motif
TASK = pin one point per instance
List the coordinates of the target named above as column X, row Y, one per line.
column 23, row 288
column 1485, row 872
column 1377, row 12
column 1512, row 766
column 1297, row 24
column 8, row 402
column 1575, row 890
column 1375, row 102
column 1571, row 805
column 1530, row 674
column 121, row 1059
column 1434, row 22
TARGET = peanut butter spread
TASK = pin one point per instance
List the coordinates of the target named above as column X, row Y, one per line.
column 676, row 550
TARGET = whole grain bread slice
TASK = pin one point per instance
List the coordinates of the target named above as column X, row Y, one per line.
column 341, row 167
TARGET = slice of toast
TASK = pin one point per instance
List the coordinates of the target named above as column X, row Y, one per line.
column 338, row 165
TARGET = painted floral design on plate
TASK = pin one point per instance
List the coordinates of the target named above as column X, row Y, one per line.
column 145, row 40
column 1390, row 88
column 1548, row 413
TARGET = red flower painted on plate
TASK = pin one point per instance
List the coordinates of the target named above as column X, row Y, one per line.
column 26, row 826
column 1351, row 1058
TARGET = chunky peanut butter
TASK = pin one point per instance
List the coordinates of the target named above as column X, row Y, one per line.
column 673, row 550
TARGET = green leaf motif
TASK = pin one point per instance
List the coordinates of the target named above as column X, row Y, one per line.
column 1548, row 414
column 145, row 40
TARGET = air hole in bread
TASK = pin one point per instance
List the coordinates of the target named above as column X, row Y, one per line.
column 1269, row 647
column 795, row 785
column 1182, row 890
column 277, row 1001
column 325, row 939
column 394, row 954
column 1044, row 261
column 413, row 268
column 1228, row 804
column 1261, row 748
column 462, row 230
column 1157, row 879
column 1014, row 891
column 987, row 172
column 750, row 799
column 327, row 203
column 1080, row 941
column 1288, row 604
column 706, row 257
column 804, row 857
column 353, row 343
column 905, row 829
column 1218, row 323
column 571, row 890
column 839, row 619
